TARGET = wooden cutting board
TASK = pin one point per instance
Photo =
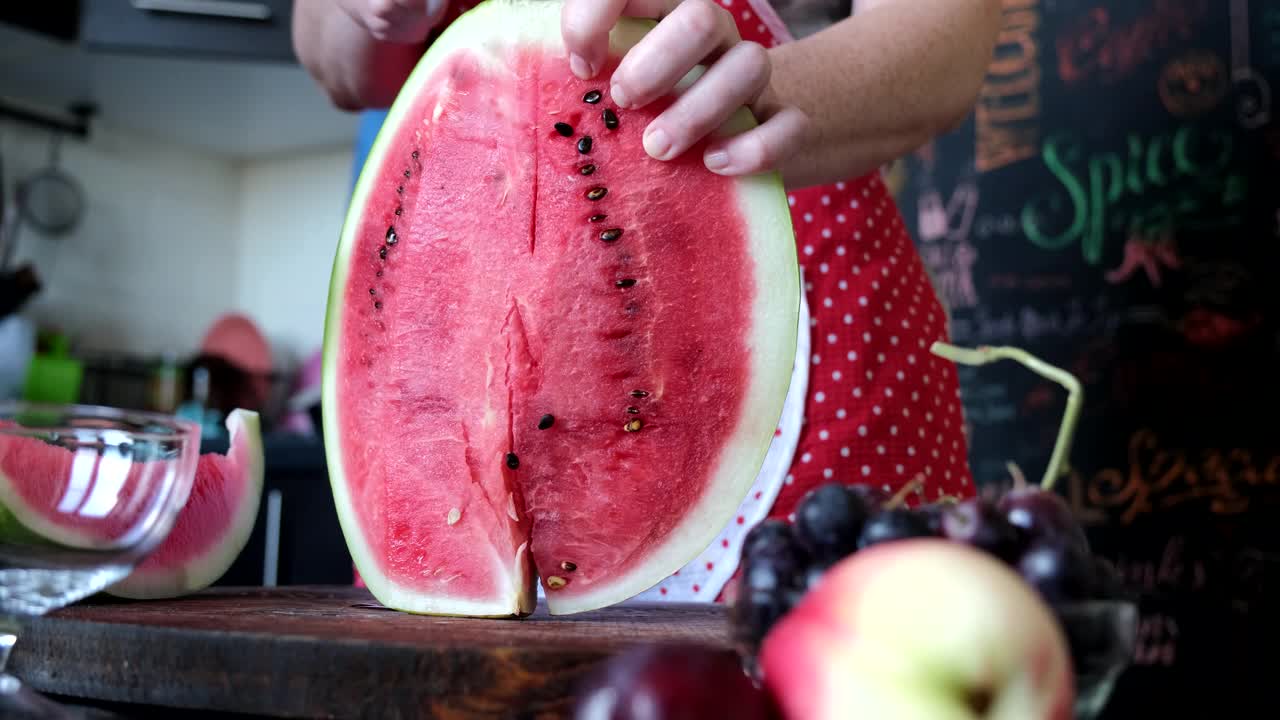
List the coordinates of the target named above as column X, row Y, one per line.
column 322, row 652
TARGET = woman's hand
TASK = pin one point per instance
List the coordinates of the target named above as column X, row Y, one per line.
column 361, row 51
column 396, row 21
column 689, row 33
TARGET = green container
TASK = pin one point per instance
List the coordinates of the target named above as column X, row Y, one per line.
column 53, row 376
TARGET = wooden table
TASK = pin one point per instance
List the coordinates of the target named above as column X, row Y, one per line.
column 322, row 652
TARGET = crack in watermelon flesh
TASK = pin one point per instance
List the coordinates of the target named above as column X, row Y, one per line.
column 474, row 294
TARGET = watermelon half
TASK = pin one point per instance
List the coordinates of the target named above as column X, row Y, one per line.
column 215, row 523
column 536, row 368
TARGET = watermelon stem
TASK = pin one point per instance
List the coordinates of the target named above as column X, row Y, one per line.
column 1058, row 463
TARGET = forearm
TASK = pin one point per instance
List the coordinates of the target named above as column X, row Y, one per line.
column 880, row 84
column 355, row 69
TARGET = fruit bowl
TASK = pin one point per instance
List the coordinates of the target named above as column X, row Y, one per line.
column 1101, row 635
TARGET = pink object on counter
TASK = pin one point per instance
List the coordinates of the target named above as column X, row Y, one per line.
column 236, row 338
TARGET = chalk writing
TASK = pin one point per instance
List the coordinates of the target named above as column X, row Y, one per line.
column 1005, row 116
column 1255, row 576
column 988, row 226
column 1029, row 281
column 946, row 250
column 1148, row 254
column 1159, row 478
column 1029, row 324
column 1172, row 571
column 987, row 403
column 1099, row 46
column 1108, row 190
column 1157, row 640
column 1193, row 84
column 952, row 221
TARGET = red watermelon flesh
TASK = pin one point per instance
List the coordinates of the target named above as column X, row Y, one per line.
column 96, row 501
column 540, row 354
column 215, row 523
column 80, row 499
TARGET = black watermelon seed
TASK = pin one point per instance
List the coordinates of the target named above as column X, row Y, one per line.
column 391, row 236
column 587, row 169
column 596, row 218
column 633, row 410
column 596, row 193
column 377, row 305
column 584, row 144
column 639, row 393
column 378, row 274
column 564, row 128
column 513, row 462
column 610, row 119
column 546, row 421
column 399, row 210
column 372, row 291
column 414, row 154
column 568, row 566
column 382, row 252
column 400, row 189
column 406, row 173
column 592, row 97
column 625, row 282
column 611, row 234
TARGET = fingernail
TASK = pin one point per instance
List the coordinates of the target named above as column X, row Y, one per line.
column 619, row 96
column 656, row 143
column 716, row 160
column 581, row 67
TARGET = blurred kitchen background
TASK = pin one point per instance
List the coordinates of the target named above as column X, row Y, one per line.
column 172, row 184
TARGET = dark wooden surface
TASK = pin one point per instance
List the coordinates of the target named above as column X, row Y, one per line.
column 322, row 652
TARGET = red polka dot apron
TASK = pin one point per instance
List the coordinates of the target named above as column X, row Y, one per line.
column 868, row 403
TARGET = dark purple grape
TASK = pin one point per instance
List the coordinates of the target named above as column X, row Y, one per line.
column 814, row 575
column 1043, row 515
column 755, row 612
column 672, row 682
column 772, row 558
column 1059, row 570
column 893, row 524
column 773, row 568
column 980, row 524
column 828, row 522
column 769, row 533
column 872, row 497
column 933, row 514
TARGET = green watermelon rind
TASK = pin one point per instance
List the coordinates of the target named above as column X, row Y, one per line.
column 150, row 583
column 762, row 199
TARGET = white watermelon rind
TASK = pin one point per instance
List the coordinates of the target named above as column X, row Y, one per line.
column 144, row 583
column 762, row 199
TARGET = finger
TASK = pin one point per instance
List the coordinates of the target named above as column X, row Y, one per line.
column 694, row 31
column 397, row 21
column 585, row 26
column 760, row 149
column 735, row 80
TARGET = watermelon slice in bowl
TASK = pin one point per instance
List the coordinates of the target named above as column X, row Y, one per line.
column 546, row 354
column 215, row 523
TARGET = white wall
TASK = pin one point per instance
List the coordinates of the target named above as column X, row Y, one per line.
column 291, row 210
column 153, row 260
column 173, row 237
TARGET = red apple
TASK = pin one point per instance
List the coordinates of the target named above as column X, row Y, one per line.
column 922, row 629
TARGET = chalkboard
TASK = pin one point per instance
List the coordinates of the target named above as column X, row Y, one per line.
column 1112, row 206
